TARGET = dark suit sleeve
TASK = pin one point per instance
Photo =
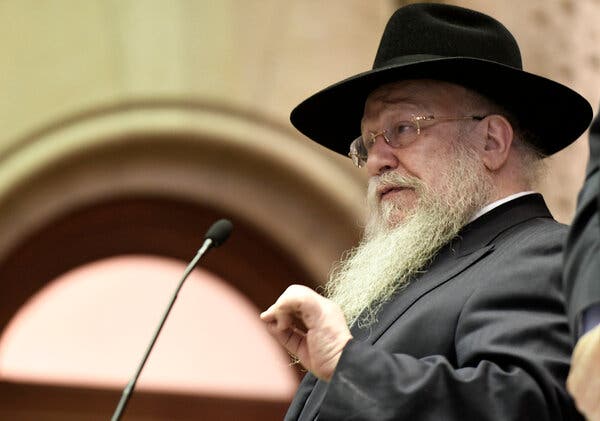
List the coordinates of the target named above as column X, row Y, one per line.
column 512, row 348
column 582, row 251
column 306, row 386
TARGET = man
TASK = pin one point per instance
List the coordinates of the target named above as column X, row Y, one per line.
column 451, row 306
column 582, row 285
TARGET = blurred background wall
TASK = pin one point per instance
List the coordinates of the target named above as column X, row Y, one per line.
column 129, row 126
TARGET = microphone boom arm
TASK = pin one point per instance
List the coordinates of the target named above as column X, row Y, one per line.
column 209, row 242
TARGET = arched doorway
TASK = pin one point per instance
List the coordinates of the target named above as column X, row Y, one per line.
column 149, row 179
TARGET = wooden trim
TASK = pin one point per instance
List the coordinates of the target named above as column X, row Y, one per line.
column 38, row 402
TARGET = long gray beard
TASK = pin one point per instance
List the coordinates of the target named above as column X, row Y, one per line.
column 393, row 253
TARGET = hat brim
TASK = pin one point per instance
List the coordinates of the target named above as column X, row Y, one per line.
column 556, row 114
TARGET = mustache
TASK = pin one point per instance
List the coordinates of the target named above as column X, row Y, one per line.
column 392, row 180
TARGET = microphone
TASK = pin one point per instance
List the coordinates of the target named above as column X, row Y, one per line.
column 219, row 232
column 216, row 235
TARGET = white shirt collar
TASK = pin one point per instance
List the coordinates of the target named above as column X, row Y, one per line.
column 497, row 203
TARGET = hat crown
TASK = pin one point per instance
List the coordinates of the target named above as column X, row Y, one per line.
column 440, row 30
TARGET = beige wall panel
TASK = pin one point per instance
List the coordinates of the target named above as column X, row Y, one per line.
column 57, row 58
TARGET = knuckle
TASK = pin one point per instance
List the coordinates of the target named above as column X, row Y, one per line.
column 295, row 289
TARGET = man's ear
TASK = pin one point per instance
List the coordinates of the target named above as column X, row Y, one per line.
column 498, row 138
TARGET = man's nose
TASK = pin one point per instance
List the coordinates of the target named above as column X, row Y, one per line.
column 382, row 157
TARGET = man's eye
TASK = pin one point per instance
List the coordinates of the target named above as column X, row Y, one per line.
column 403, row 127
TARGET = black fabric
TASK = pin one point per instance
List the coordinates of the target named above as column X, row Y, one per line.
column 480, row 335
column 448, row 43
column 582, row 251
column 445, row 31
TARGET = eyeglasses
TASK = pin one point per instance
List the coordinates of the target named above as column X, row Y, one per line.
column 398, row 135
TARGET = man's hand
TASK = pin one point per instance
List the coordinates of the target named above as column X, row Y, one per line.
column 309, row 326
column 584, row 378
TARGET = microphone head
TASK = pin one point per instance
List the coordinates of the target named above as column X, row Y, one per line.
column 219, row 232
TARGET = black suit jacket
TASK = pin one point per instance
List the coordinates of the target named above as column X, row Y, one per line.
column 582, row 252
column 481, row 335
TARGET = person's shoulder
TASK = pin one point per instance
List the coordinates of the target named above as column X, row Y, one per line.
column 533, row 240
column 526, row 260
column 594, row 144
column 535, row 230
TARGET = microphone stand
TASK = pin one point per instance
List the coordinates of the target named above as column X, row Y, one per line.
column 131, row 385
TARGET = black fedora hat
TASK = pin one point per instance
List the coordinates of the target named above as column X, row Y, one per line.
column 453, row 44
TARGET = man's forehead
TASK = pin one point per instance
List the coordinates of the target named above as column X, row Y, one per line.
column 395, row 92
column 422, row 89
column 424, row 94
column 412, row 94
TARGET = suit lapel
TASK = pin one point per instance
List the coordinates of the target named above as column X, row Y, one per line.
column 445, row 267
